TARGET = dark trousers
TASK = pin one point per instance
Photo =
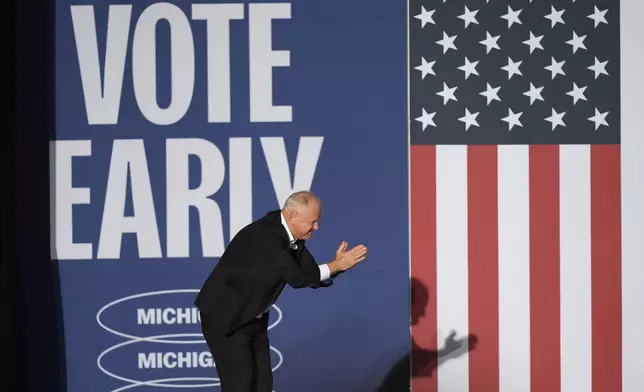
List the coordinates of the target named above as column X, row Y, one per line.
column 243, row 359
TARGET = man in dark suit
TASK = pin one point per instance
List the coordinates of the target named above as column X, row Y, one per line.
column 235, row 300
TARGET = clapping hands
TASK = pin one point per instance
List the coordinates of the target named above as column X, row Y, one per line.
column 347, row 259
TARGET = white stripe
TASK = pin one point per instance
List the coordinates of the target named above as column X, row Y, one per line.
column 632, row 153
column 452, row 277
column 574, row 264
column 514, row 268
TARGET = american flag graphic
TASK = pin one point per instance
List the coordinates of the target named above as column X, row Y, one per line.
column 516, row 204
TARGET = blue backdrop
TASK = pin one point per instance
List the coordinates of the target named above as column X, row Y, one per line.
column 173, row 131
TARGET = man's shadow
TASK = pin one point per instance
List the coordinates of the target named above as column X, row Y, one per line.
column 423, row 361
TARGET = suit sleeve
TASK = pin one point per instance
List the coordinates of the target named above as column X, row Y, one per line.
column 307, row 259
column 296, row 275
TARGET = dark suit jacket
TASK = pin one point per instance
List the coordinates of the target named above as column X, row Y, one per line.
column 252, row 272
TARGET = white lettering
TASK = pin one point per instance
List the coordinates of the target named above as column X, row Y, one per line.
column 183, row 316
column 147, row 361
column 128, row 154
column 144, row 316
column 205, row 359
column 155, row 316
column 169, row 316
column 262, row 60
column 186, row 187
column 103, row 94
column 240, row 183
column 64, row 196
column 170, row 360
column 180, row 197
column 185, row 359
column 306, row 162
column 144, row 63
column 101, row 101
column 218, row 17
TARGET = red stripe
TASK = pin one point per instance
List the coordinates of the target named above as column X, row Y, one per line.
column 606, row 270
column 483, row 272
column 423, row 267
column 545, row 360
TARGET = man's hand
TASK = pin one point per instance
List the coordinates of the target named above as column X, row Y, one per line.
column 341, row 248
column 346, row 259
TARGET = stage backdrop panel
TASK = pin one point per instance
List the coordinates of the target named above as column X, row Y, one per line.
column 526, row 188
column 177, row 123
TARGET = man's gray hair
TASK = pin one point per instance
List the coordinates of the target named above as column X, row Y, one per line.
column 300, row 198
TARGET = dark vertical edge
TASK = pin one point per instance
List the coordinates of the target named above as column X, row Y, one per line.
column 9, row 330
column 40, row 360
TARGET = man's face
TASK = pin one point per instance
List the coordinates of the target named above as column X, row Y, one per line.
column 305, row 219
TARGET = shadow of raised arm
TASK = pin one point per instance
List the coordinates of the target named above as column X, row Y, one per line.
column 454, row 348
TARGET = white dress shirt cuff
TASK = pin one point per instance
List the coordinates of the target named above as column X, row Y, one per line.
column 325, row 272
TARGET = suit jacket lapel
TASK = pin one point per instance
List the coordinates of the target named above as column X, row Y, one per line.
column 297, row 253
